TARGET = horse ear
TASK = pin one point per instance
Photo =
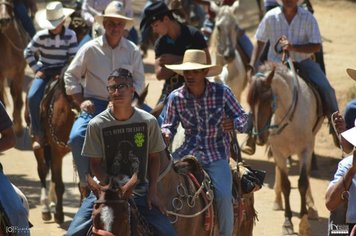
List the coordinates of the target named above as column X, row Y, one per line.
column 271, row 75
column 235, row 6
column 214, row 7
column 93, row 185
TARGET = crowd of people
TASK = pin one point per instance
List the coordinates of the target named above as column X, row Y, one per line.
column 105, row 74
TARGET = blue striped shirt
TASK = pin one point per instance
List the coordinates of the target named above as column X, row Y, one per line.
column 201, row 118
column 303, row 29
column 54, row 50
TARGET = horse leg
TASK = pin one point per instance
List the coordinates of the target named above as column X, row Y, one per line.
column 287, row 227
column 303, row 185
column 16, row 93
column 56, row 168
column 42, row 170
column 277, row 205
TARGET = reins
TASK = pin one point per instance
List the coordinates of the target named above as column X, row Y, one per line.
column 288, row 116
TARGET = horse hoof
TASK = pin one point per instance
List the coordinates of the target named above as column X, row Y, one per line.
column 59, row 218
column 313, row 214
column 304, row 226
column 287, row 228
column 52, row 207
column 46, row 216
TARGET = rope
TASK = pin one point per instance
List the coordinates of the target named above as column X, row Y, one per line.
column 191, row 215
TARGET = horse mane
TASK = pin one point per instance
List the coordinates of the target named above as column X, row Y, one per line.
column 259, row 79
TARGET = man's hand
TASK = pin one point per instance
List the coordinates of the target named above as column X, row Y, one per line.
column 286, row 45
column 169, row 59
column 87, row 106
column 153, row 200
column 40, row 74
column 227, row 124
column 353, row 167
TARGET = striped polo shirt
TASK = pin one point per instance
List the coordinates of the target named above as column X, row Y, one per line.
column 54, row 51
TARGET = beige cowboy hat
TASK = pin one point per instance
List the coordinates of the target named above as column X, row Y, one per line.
column 298, row 3
column 115, row 9
column 350, row 135
column 52, row 16
column 351, row 73
column 194, row 60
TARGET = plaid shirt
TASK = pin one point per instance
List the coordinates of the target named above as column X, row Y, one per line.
column 302, row 30
column 201, row 118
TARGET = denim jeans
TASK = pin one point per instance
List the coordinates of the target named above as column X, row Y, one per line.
column 20, row 11
column 77, row 135
column 13, row 207
column 82, row 219
column 35, row 95
column 311, row 71
column 350, row 114
column 220, row 174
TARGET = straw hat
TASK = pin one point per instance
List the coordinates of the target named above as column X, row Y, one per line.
column 350, row 135
column 52, row 16
column 281, row 3
column 351, row 73
column 115, row 9
column 194, row 60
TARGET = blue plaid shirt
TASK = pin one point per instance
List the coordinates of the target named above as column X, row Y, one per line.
column 201, row 118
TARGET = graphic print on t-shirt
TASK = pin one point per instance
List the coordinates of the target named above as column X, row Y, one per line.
column 125, row 150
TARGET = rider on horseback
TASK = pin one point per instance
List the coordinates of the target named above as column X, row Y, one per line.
column 138, row 157
column 208, row 112
column 56, row 45
column 297, row 31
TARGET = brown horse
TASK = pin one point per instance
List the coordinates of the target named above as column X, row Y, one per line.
column 187, row 195
column 57, row 116
column 12, row 65
column 285, row 117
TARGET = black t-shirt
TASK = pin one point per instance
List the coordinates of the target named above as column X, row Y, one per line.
column 190, row 38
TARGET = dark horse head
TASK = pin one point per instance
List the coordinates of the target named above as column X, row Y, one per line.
column 6, row 13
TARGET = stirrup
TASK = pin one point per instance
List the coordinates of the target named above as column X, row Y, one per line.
column 336, row 136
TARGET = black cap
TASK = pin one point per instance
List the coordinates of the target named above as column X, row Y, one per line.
column 151, row 13
column 121, row 72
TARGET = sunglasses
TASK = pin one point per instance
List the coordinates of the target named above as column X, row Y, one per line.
column 119, row 87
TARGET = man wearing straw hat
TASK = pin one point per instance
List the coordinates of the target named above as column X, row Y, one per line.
column 86, row 77
column 208, row 112
column 56, row 45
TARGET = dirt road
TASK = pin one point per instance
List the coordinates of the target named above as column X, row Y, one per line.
column 337, row 20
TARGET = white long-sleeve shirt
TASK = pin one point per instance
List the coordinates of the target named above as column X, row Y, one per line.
column 95, row 61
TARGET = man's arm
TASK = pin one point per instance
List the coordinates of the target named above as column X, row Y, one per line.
column 97, row 169
column 335, row 193
column 154, row 165
column 162, row 73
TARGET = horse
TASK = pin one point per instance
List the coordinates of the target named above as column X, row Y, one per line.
column 225, row 51
column 57, row 116
column 187, row 195
column 286, row 118
column 12, row 43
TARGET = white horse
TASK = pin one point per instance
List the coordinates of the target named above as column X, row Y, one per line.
column 285, row 117
column 224, row 48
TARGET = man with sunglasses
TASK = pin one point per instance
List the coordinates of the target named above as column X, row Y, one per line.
column 122, row 123
column 85, row 79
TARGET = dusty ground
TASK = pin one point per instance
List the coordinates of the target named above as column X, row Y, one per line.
column 337, row 20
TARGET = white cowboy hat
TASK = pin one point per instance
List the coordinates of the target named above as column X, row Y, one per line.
column 350, row 135
column 299, row 2
column 52, row 16
column 351, row 73
column 115, row 9
column 194, row 60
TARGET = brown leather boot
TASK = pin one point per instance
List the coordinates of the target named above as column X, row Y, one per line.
column 249, row 146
